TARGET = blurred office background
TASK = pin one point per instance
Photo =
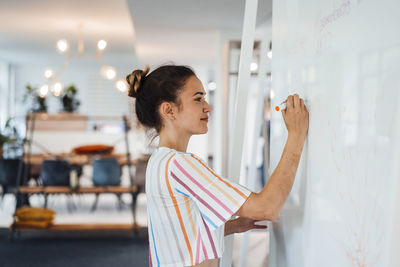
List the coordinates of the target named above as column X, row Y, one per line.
column 64, row 109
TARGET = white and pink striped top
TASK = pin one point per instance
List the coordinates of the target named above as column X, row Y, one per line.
column 187, row 207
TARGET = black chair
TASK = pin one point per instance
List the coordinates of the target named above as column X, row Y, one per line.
column 106, row 172
column 56, row 173
column 8, row 175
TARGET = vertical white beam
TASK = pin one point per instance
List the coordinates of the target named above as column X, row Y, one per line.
column 235, row 153
column 220, row 107
column 225, row 105
column 217, row 111
column 252, row 176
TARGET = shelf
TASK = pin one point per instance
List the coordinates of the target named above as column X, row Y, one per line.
column 59, row 122
column 78, row 122
column 37, row 159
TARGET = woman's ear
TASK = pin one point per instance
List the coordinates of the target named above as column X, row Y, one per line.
column 167, row 111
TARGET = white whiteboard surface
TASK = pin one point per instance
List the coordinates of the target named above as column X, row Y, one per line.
column 343, row 57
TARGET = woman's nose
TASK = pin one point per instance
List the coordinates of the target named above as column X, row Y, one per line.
column 207, row 108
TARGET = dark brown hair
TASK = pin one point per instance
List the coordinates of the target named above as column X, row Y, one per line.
column 161, row 85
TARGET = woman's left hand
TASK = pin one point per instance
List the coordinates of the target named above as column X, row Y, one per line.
column 245, row 224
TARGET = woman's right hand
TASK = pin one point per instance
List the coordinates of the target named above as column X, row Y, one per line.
column 267, row 204
column 296, row 116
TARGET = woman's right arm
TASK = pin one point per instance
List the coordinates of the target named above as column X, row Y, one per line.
column 267, row 204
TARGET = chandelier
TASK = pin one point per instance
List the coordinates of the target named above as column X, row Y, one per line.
column 53, row 83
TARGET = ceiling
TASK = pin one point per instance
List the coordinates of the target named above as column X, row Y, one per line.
column 149, row 30
column 30, row 29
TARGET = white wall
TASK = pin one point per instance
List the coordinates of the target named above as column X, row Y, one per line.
column 4, row 92
column 98, row 96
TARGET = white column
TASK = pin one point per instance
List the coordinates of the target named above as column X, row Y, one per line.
column 251, row 181
column 235, row 153
column 220, row 111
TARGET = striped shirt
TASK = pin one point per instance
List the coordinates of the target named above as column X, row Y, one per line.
column 187, row 207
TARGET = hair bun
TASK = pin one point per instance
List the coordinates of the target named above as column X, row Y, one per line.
column 135, row 80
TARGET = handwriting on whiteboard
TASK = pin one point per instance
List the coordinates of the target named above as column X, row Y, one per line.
column 324, row 43
column 324, row 37
column 343, row 10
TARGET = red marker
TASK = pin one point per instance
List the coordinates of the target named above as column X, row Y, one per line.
column 283, row 106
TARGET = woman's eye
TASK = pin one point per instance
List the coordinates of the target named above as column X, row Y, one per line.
column 198, row 99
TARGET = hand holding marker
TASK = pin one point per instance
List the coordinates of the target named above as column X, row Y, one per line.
column 282, row 106
column 295, row 115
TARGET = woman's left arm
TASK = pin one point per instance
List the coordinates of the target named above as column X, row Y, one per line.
column 241, row 225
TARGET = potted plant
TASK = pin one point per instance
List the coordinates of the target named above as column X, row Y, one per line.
column 3, row 140
column 39, row 103
column 9, row 161
column 8, row 136
column 69, row 100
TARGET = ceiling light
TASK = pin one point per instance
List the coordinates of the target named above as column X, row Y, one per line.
column 110, row 73
column 43, row 91
column 101, row 45
column 62, row 45
column 48, row 73
column 57, row 88
column 107, row 71
column 269, row 54
column 253, row 66
column 212, row 86
column 121, row 86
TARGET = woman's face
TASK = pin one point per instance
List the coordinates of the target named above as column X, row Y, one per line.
column 192, row 115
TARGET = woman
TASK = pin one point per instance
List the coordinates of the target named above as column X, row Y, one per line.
column 190, row 206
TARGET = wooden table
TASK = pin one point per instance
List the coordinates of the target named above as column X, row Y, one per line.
column 80, row 190
column 37, row 159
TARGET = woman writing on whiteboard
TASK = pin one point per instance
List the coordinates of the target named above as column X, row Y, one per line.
column 189, row 206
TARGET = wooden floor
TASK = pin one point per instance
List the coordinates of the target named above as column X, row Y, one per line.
column 81, row 190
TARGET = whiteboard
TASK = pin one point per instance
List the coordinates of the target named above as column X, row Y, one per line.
column 343, row 57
